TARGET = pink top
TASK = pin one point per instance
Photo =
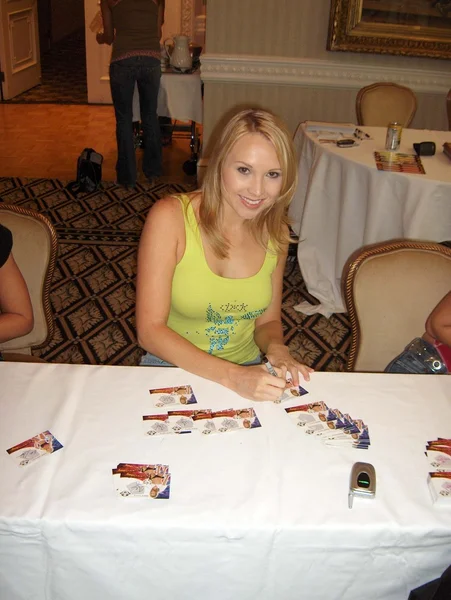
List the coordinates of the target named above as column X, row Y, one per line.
column 445, row 353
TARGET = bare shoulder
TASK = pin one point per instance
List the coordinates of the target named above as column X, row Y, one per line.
column 166, row 212
column 443, row 308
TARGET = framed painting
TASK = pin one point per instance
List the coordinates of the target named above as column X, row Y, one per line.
column 406, row 27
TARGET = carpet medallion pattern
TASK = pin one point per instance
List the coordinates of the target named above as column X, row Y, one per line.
column 93, row 289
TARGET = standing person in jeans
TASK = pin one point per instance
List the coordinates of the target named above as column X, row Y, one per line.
column 134, row 29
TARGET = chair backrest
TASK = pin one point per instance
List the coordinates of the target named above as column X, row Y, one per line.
column 390, row 289
column 34, row 250
column 381, row 103
column 448, row 108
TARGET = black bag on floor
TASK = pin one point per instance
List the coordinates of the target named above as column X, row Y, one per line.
column 89, row 173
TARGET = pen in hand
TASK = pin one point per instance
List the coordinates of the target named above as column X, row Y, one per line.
column 271, row 371
column 269, row 366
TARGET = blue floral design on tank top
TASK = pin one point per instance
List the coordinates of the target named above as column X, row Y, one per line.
column 225, row 325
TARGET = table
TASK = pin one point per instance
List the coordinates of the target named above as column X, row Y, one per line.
column 343, row 202
column 252, row 514
column 179, row 98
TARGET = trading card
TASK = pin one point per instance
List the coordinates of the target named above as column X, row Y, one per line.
column 30, row 450
column 356, row 434
column 181, row 421
column 306, row 413
column 439, row 443
column 173, row 396
column 247, row 418
column 204, row 422
column 291, row 392
column 440, row 487
column 440, row 460
column 233, row 420
column 154, row 473
column 128, row 485
column 328, row 425
column 156, row 425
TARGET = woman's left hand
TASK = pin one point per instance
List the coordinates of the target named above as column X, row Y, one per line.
column 280, row 357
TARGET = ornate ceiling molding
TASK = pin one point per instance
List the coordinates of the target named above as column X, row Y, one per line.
column 316, row 73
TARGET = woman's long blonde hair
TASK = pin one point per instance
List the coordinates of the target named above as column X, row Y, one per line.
column 272, row 223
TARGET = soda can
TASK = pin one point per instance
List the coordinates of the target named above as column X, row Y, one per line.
column 393, row 139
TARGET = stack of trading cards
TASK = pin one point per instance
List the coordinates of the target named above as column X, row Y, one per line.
column 173, row 396
column 223, row 421
column 142, row 481
column 42, row 444
column 331, row 425
column 438, row 453
column 206, row 421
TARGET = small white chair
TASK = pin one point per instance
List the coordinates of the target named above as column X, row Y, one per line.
column 390, row 288
column 34, row 249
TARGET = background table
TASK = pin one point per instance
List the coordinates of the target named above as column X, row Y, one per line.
column 180, row 97
column 343, row 203
column 252, row 514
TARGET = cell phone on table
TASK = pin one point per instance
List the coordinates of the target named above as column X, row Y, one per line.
column 362, row 482
column 346, row 143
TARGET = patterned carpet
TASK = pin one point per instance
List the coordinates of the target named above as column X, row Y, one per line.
column 63, row 71
column 93, row 290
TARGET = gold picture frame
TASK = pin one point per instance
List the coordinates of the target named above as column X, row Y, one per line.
column 414, row 28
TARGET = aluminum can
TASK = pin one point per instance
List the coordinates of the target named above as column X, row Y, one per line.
column 393, row 139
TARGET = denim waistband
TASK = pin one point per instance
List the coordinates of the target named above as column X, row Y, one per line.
column 428, row 354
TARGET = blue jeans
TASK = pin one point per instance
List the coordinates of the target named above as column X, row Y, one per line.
column 418, row 357
column 146, row 72
column 150, row 360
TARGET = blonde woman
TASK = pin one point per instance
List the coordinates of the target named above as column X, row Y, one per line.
column 211, row 263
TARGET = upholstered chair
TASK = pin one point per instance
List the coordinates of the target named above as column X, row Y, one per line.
column 390, row 289
column 34, row 250
column 381, row 103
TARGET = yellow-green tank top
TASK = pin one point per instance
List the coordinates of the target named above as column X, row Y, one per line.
column 215, row 313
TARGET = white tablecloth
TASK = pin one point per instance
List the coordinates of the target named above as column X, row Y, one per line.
column 343, row 203
column 180, row 97
column 252, row 514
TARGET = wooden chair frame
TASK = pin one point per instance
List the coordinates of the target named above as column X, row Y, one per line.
column 47, row 308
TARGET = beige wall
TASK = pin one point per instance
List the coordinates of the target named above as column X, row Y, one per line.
column 297, row 29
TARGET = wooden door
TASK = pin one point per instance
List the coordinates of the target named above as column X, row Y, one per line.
column 20, row 62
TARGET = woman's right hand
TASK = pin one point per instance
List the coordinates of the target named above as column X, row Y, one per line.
column 255, row 383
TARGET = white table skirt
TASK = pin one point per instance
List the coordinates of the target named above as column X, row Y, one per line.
column 180, row 97
column 343, row 203
column 252, row 514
